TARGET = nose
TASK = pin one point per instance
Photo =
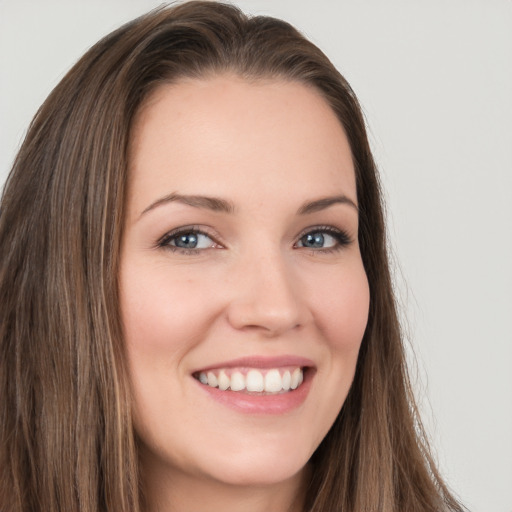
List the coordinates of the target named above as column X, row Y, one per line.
column 266, row 296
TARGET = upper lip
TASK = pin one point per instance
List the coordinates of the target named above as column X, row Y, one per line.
column 263, row 362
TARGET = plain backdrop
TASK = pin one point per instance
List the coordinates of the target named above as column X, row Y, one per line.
column 435, row 80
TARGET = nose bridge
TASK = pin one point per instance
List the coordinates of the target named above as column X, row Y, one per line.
column 266, row 296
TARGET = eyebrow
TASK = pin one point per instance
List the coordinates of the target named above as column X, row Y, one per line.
column 210, row 203
column 217, row 204
column 325, row 202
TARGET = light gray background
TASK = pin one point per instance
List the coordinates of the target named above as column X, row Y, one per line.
column 435, row 80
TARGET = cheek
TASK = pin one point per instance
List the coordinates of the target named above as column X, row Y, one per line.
column 165, row 315
column 341, row 308
column 341, row 315
column 163, row 310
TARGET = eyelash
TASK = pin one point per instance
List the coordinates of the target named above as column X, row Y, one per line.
column 165, row 241
column 341, row 237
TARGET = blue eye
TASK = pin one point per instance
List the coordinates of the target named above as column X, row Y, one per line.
column 187, row 240
column 324, row 239
column 317, row 240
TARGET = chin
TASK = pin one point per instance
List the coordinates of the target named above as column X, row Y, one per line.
column 262, row 459
column 242, row 467
column 258, row 473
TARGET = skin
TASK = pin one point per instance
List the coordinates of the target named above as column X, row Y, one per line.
column 252, row 288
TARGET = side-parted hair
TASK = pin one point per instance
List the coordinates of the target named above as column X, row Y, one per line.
column 66, row 437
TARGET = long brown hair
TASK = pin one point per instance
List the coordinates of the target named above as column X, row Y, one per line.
column 66, row 439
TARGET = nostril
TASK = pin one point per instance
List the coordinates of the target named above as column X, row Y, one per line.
column 267, row 318
column 267, row 296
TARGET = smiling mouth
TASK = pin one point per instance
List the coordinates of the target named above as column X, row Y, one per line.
column 253, row 381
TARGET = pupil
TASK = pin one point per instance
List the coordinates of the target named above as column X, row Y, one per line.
column 314, row 240
column 187, row 241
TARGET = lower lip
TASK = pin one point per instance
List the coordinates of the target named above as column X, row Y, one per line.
column 262, row 404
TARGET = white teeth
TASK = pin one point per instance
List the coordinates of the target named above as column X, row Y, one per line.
column 294, row 380
column 270, row 381
column 254, row 381
column 212, row 380
column 224, row 381
column 237, row 382
column 287, row 379
column 273, row 381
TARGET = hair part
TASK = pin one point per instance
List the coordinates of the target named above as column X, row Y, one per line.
column 66, row 439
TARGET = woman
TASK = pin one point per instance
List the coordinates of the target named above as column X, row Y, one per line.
column 196, row 302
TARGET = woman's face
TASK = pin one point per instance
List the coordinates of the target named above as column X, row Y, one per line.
column 240, row 271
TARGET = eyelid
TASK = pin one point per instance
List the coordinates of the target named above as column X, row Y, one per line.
column 163, row 242
column 342, row 236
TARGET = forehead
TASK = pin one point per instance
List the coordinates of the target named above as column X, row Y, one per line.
column 227, row 136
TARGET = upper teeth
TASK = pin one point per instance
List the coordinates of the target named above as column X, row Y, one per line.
column 269, row 381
